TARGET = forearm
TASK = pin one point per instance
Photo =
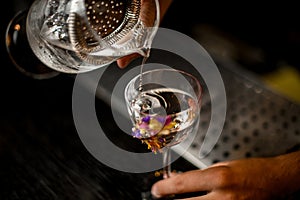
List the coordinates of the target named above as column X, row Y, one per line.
column 288, row 171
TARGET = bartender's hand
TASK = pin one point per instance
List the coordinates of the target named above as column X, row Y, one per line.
column 246, row 179
column 164, row 5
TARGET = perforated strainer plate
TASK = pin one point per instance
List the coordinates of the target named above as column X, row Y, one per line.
column 105, row 16
column 99, row 24
column 258, row 122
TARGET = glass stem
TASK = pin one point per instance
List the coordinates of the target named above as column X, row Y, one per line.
column 166, row 162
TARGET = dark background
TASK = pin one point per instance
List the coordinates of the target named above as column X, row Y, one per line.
column 273, row 28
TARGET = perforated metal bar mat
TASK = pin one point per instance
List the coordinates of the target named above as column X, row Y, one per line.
column 259, row 122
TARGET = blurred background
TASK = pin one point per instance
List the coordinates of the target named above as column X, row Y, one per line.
column 261, row 37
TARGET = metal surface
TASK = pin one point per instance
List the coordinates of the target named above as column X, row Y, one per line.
column 259, row 122
column 111, row 20
column 100, row 28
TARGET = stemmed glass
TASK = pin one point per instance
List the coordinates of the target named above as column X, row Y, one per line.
column 74, row 36
column 164, row 106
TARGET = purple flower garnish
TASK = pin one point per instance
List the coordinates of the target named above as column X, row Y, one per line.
column 168, row 120
column 136, row 133
column 161, row 119
column 146, row 119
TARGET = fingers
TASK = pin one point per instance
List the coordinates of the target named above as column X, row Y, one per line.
column 188, row 182
column 124, row 62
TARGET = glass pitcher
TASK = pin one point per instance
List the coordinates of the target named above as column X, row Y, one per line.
column 74, row 36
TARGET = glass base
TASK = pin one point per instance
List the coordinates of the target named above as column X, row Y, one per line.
column 149, row 181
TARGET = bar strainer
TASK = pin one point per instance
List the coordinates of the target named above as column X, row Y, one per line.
column 101, row 25
column 81, row 35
